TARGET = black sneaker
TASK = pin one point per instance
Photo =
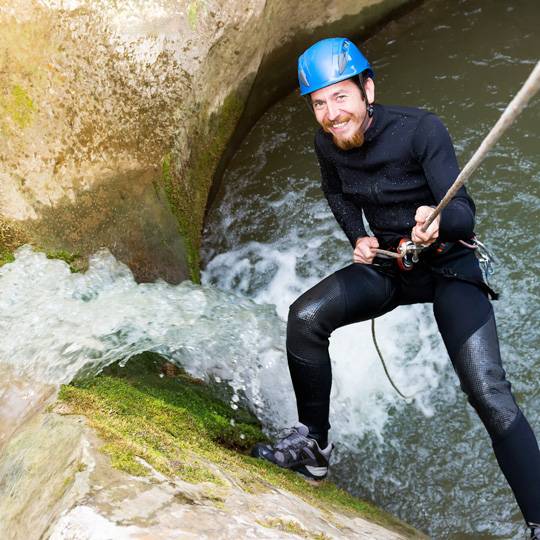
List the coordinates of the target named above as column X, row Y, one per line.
column 296, row 451
column 535, row 531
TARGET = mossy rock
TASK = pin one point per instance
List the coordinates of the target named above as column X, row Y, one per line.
column 177, row 425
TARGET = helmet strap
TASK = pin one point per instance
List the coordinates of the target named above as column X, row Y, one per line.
column 369, row 106
column 307, row 99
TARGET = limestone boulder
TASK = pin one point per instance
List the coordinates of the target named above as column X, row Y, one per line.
column 115, row 116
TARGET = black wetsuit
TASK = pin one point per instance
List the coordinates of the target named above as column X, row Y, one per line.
column 407, row 161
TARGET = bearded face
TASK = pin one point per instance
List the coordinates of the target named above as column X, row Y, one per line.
column 341, row 110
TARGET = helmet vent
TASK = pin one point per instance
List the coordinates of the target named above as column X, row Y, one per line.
column 303, row 78
column 342, row 62
column 343, row 57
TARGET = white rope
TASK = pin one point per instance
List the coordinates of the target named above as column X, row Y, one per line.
column 512, row 111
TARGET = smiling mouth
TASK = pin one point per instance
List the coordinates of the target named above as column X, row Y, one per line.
column 340, row 126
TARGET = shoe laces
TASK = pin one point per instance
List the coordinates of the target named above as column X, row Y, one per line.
column 290, row 439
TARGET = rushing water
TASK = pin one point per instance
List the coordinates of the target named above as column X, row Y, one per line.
column 270, row 236
column 55, row 325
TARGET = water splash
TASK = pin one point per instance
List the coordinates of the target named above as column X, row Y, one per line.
column 55, row 325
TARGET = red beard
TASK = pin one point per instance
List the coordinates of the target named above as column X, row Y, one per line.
column 354, row 141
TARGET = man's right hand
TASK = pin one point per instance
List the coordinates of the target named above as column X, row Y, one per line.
column 364, row 250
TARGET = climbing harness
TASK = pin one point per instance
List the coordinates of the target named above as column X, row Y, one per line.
column 407, row 251
column 406, row 254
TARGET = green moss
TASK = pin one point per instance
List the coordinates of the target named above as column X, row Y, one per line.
column 11, row 237
column 292, row 527
column 18, row 105
column 192, row 13
column 70, row 479
column 183, row 217
column 187, row 194
column 74, row 260
column 6, row 257
column 67, row 482
column 176, row 425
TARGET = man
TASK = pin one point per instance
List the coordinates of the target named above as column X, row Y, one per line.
column 395, row 164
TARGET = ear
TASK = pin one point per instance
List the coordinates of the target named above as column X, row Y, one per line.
column 369, row 87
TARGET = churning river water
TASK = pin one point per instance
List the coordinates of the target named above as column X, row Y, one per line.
column 270, row 236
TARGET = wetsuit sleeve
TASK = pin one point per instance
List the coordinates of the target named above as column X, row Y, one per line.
column 434, row 150
column 347, row 214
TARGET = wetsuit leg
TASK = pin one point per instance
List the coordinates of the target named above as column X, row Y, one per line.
column 467, row 324
column 354, row 293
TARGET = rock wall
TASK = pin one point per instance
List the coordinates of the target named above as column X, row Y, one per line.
column 115, row 116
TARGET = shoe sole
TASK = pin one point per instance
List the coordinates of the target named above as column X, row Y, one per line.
column 304, row 470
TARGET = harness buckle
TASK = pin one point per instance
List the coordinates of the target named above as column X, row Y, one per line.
column 409, row 252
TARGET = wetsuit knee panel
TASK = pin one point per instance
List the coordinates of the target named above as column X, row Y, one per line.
column 314, row 316
column 483, row 379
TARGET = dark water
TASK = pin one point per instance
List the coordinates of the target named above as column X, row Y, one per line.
column 270, row 236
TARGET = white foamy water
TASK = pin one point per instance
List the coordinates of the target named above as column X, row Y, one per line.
column 361, row 393
column 55, row 325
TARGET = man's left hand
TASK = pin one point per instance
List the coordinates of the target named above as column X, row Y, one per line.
column 427, row 238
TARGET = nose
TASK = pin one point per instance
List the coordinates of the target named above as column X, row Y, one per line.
column 332, row 110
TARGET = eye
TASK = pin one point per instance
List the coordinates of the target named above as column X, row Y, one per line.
column 342, row 97
column 318, row 105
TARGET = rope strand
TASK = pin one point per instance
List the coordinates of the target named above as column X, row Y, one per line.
column 512, row 111
column 374, row 337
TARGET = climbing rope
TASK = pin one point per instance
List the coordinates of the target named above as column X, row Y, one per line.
column 512, row 111
column 384, row 363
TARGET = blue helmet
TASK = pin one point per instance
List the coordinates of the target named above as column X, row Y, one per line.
column 330, row 61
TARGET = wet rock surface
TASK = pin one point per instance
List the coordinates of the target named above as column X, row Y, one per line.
column 114, row 116
column 77, row 495
column 158, row 507
column 137, row 454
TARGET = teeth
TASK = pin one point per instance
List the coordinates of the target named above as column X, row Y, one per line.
column 340, row 124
